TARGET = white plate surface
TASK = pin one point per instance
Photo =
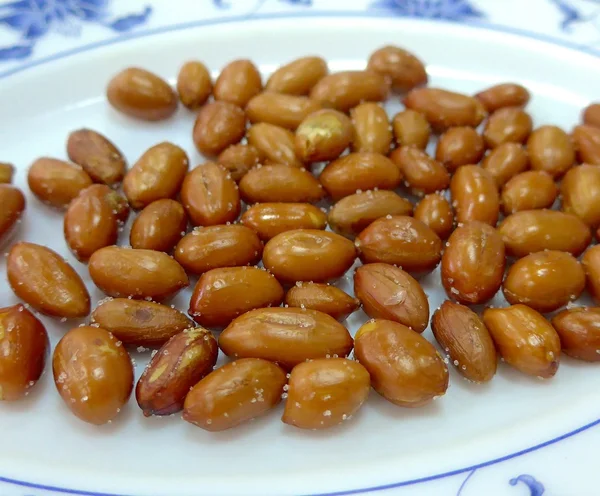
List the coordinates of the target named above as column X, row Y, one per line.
column 42, row 443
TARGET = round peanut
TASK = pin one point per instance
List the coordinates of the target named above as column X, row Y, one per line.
column 218, row 246
column 238, row 82
column 359, row 171
column 578, row 329
column 544, row 281
column 345, row 90
column 507, row 125
column 157, row 174
column 238, row 160
column 400, row 240
column 323, row 135
column 580, row 190
column 325, row 392
column 421, row 173
column 218, row 125
column 405, row 368
column 436, row 213
column 591, row 115
column 524, row 339
column 528, row 190
column 308, row 255
column 159, row 226
column 141, row 94
column 93, row 374
column 591, row 266
column 274, row 143
column 505, row 162
column 459, row 146
column 503, row 95
column 271, row 219
column 322, row 297
column 551, row 150
column 283, row 110
column 298, row 77
column 194, row 84
column 411, row 129
column 586, row 140
column 234, row 393
column 55, row 182
column 475, row 195
column 352, row 214
column 404, row 69
column 372, row 131
column 13, row 205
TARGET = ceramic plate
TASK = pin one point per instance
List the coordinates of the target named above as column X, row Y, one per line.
column 477, row 439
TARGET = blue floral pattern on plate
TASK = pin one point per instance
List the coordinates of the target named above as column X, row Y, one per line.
column 32, row 19
column 454, row 10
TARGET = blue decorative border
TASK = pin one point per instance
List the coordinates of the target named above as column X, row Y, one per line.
column 535, row 487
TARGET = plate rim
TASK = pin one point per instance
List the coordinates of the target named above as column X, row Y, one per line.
column 328, row 14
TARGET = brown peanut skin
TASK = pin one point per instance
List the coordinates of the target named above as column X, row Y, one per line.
column 352, row 214
column 93, row 374
column 586, row 140
column 182, row 361
column 444, row 109
column 238, row 160
column 551, row 150
column 591, row 266
column 322, row 297
column 97, row 155
column 405, row 368
column 271, row 219
column 44, row 280
column 275, row 144
column 280, row 183
column 505, row 162
column 359, row 171
column 89, row 224
column 529, row 231
column 400, row 66
column 218, row 125
column 298, row 76
column 194, row 84
column 436, row 213
column 507, row 125
column 401, row 241
column 287, row 336
column 159, row 226
column 139, row 322
column 7, row 171
column 157, row 174
column 580, row 191
column 503, row 95
column 238, row 82
column 421, row 173
column 286, row 111
column 578, row 332
column 411, row 129
column 544, row 281
column 466, row 340
column 13, row 205
column 372, row 131
column 473, row 263
column 325, row 392
column 210, row 196
column 475, row 195
column 141, row 94
column 121, row 272
column 323, row 135
column 591, row 115
column 118, row 203
column 524, row 339
column 55, row 182
column 218, row 246
column 223, row 294
column 24, row 344
column 347, row 89
column 530, row 190
column 228, row 397
column 459, row 146
column 387, row 292
column 308, row 255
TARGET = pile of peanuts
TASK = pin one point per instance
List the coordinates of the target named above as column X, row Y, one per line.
column 484, row 208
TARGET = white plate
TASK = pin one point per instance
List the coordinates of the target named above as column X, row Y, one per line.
column 43, row 446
